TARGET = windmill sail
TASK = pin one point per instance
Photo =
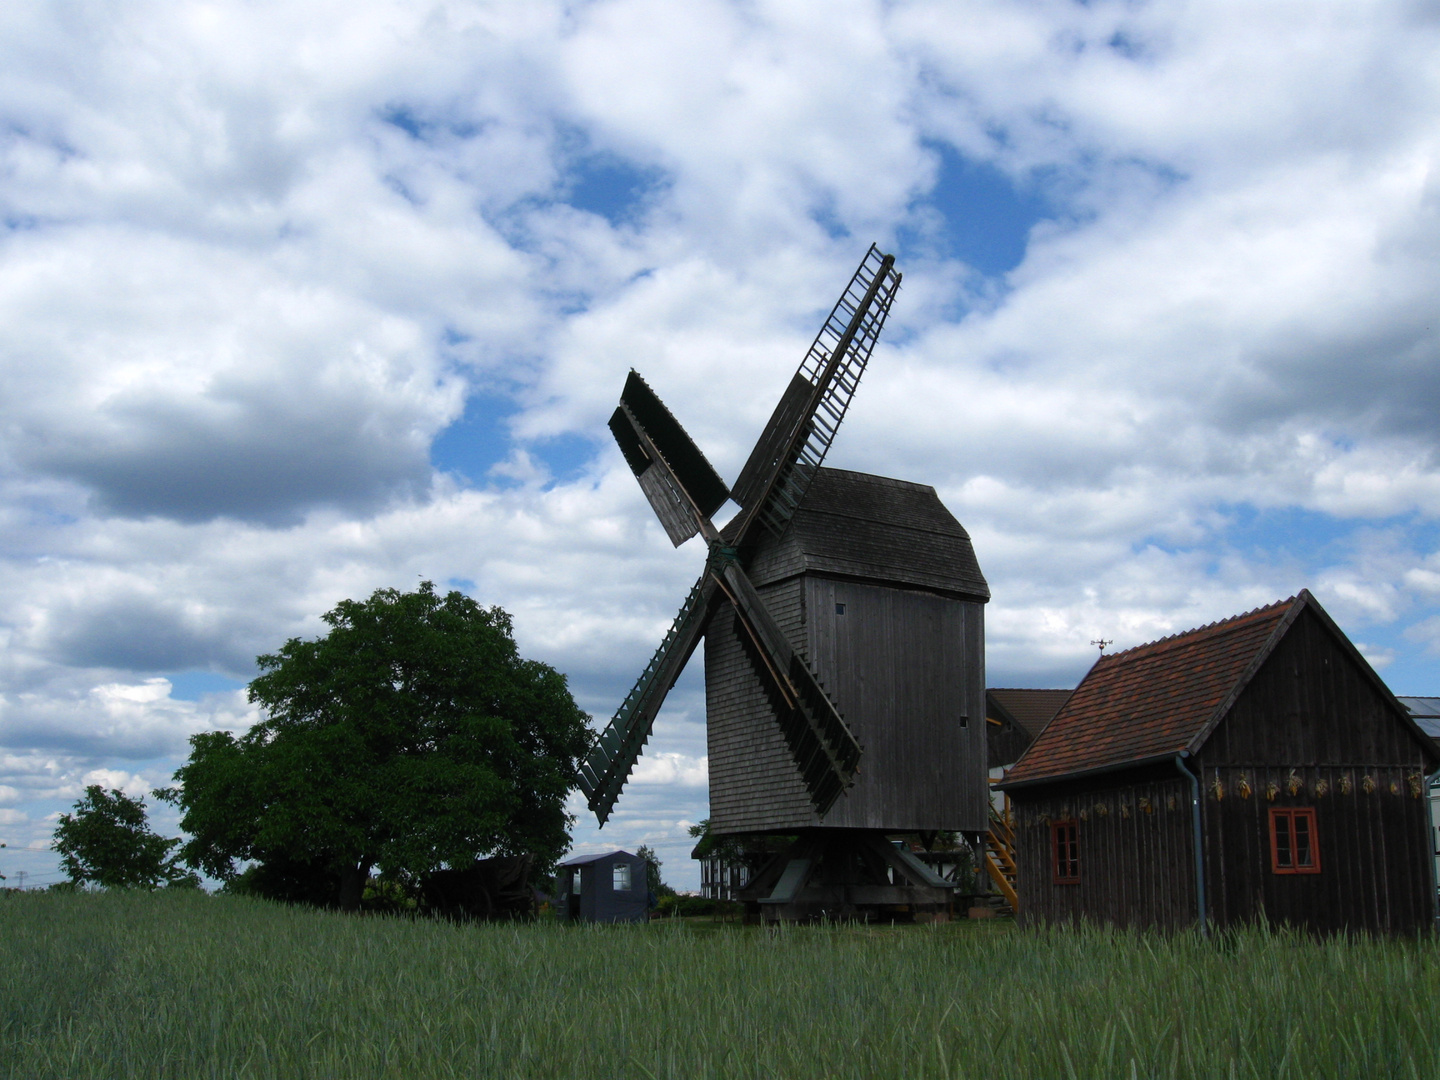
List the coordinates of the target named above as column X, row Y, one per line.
column 685, row 491
column 612, row 758
column 774, row 440
column 775, row 478
column 824, row 749
column 690, row 484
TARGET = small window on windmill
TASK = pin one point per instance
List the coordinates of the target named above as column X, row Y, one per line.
column 964, row 720
column 621, row 879
column 839, row 609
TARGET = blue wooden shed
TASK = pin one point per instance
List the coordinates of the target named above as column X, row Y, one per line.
column 608, row 888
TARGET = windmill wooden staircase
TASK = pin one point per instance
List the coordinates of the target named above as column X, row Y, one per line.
column 1000, row 856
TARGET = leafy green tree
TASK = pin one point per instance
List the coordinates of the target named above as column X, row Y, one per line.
column 728, row 849
column 657, row 887
column 411, row 736
column 107, row 841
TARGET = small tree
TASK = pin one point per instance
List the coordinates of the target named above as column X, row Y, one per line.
column 108, row 841
column 726, row 849
column 652, row 871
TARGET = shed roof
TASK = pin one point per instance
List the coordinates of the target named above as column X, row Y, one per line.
column 1427, row 707
column 1157, row 700
column 1030, row 709
column 582, row 860
column 874, row 528
column 1425, row 711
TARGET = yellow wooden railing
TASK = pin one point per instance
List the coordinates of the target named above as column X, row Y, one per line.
column 1000, row 857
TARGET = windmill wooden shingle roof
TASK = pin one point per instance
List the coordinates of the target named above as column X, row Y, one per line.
column 873, row 528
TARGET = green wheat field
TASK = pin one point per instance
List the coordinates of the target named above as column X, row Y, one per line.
column 188, row 985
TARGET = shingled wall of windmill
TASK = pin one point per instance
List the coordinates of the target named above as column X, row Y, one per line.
column 904, row 663
column 754, row 786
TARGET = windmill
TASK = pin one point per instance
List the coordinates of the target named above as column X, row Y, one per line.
column 844, row 633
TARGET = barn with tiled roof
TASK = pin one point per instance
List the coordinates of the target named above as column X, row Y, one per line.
column 1014, row 717
column 1255, row 766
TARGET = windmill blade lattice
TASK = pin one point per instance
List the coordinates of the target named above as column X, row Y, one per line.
column 775, row 479
column 612, row 758
column 824, row 749
column 685, row 491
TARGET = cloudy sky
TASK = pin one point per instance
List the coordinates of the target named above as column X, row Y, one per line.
column 302, row 300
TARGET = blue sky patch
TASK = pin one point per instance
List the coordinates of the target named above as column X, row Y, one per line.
column 480, row 440
column 1306, row 536
column 1411, row 672
column 987, row 219
column 828, row 220
column 404, row 118
column 193, row 685
column 424, row 129
column 565, row 455
column 610, row 186
column 477, row 441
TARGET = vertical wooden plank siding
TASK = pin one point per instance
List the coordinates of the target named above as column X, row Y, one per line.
column 1137, row 865
column 1312, row 730
column 906, row 670
column 904, row 664
column 1372, row 848
column 1005, row 743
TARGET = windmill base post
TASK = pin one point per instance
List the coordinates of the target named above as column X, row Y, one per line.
column 847, row 875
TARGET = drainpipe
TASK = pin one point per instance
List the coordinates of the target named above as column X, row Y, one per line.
column 1195, row 806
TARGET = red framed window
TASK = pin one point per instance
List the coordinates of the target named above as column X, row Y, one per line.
column 1294, row 841
column 1065, row 848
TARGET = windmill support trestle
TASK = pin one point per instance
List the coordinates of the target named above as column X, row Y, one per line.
column 847, row 875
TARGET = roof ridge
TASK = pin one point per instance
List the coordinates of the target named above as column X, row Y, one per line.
column 887, row 522
column 1218, row 624
column 895, row 480
column 1044, row 689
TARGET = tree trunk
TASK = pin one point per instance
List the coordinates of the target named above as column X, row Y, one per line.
column 352, row 885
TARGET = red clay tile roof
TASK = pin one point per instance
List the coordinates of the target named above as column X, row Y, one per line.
column 1151, row 700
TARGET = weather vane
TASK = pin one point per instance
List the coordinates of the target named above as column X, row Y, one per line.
column 1102, row 642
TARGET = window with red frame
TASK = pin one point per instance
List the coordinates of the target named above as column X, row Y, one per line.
column 1066, row 849
column 1294, row 841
